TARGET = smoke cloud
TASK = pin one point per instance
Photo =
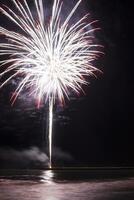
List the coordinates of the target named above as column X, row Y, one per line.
column 32, row 158
column 61, row 158
column 29, row 158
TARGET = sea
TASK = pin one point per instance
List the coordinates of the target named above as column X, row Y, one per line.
column 67, row 184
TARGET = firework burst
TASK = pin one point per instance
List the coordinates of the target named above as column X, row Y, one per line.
column 52, row 58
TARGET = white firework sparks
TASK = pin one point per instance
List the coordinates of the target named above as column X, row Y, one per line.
column 52, row 58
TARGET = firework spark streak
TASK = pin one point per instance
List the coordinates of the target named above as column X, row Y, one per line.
column 52, row 58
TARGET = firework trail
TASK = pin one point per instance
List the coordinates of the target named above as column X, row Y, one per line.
column 52, row 58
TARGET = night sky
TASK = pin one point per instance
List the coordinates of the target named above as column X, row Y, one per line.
column 95, row 129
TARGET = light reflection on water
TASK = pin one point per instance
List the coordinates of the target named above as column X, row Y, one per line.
column 47, row 176
column 65, row 185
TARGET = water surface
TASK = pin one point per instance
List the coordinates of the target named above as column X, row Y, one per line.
column 67, row 185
